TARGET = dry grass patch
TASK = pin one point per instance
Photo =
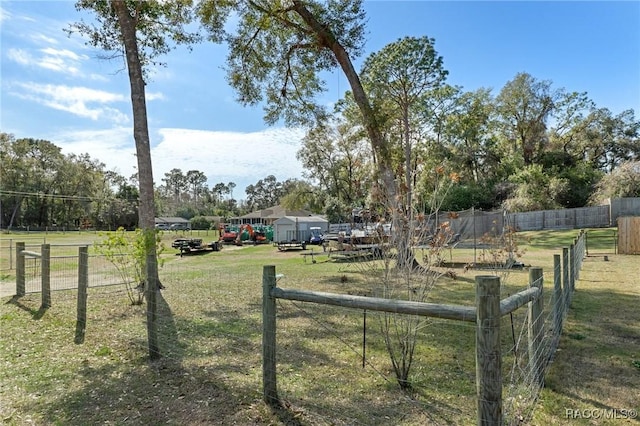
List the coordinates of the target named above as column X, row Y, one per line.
column 596, row 368
column 210, row 372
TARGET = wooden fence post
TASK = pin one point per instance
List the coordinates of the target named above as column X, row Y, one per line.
column 83, row 283
column 20, row 270
column 586, row 242
column 566, row 288
column 269, row 387
column 581, row 251
column 45, row 266
column 558, row 299
column 536, row 328
column 572, row 268
column 10, row 253
column 488, row 354
column 576, row 262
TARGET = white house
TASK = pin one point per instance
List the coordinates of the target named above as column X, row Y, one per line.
column 268, row 216
column 297, row 228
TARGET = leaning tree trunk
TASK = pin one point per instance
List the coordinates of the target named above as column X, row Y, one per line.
column 395, row 202
column 146, row 211
column 401, row 235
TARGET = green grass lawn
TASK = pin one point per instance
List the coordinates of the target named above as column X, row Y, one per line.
column 210, row 372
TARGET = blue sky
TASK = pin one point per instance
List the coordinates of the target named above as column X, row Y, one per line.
column 54, row 87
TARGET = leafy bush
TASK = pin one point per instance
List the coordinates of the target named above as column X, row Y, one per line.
column 127, row 252
column 200, row 222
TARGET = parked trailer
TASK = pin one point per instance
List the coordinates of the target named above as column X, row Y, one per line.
column 292, row 245
column 191, row 245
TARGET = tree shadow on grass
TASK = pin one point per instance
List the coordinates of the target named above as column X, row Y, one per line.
column 162, row 392
column 144, row 392
column 167, row 330
column 186, row 388
column 35, row 313
column 600, row 340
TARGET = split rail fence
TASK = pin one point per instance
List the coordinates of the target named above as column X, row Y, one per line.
column 486, row 315
column 543, row 330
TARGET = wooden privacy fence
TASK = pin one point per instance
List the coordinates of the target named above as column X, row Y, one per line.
column 486, row 315
column 629, row 235
column 576, row 218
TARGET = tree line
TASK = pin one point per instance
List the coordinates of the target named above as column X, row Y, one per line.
column 42, row 187
column 528, row 147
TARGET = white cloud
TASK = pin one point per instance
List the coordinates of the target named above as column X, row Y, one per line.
column 4, row 14
column 242, row 158
column 20, row 56
column 152, row 96
column 63, row 53
column 75, row 100
column 40, row 38
column 59, row 60
column 113, row 147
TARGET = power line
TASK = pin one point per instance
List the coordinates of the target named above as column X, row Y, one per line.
column 62, row 196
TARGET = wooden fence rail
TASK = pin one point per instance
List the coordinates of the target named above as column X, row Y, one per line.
column 486, row 314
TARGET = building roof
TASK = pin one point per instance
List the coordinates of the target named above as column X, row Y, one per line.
column 303, row 219
column 276, row 212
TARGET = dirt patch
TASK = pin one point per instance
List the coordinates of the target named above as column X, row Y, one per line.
column 7, row 288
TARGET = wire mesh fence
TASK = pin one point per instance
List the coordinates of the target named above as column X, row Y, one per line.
column 517, row 370
column 63, row 271
column 332, row 359
column 333, row 363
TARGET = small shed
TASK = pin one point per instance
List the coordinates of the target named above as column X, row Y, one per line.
column 297, row 228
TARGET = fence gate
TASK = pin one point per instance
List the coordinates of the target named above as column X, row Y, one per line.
column 35, row 263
